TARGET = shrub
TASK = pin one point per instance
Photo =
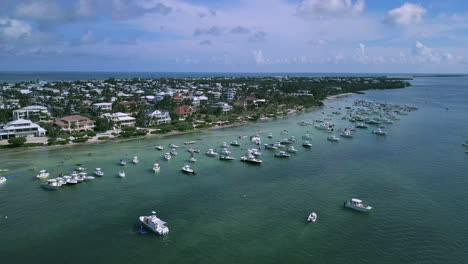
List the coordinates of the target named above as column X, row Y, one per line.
column 80, row 140
column 91, row 134
column 17, row 142
column 103, row 138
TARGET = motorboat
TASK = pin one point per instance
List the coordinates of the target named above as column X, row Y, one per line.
column 251, row 159
column 89, row 178
column 159, row 147
column 42, row 174
column 255, row 152
column 190, row 142
column 72, row 180
column 173, row 152
column 282, row 154
column 192, row 159
column 224, row 145
column 347, row 133
column 121, row 174
column 173, row 146
column 81, row 177
column 187, row 169
column 154, row 224
column 226, row 157
column 291, row 149
column 61, row 181
column 357, row 205
column 123, row 162
column 66, row 179
column 211, row 153
column 235, row 143
column 333, row 138
column 98, row 172
column 242, row 136
column 361, row 125
column 79, row 168
column 306, row 136
column 51, row 184
column 225, row 151
column 312, row 217
column 256, row 140
column 379, row 132
column 135, row 160
column 270, row 135
column 167, row 156
column 156, row 167
column 270, row 146
column 307, row 144
column 3, row 180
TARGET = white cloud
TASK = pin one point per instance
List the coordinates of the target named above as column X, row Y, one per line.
column 324, row 8
column 406, row 14
column 46, row 12
column 13, row 29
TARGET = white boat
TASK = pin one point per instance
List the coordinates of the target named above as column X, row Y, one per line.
column 235, row 143
column 333, row 138
column 190, row 142
column 187, row 169
column 211, row 153
column 312, row 217
column 167, row 156
column 347, row 133
column 256, row 140
column 173, row 146
column 307, row 144
column 361, row 125
column 270, row 146
column 121, row 174
column 156, row 167
column 159, row 147
column 98, row 172
column 358, row 205
column 255, row 152
column 135, row 160
column 225, row 151
column 122, row 162
column 42, row 174
column 270, row 135
column 2, row 180
column 379, row 132
column 251, row 159
column 306, row 136
column 282, row 154
column 79, row 168
column 51, row 184
column 61, row 181
column 291, row 149
column 66, row 179
column 224, row 145
column 192, row 159
column 226, row 157
column 173, row 152
column 89, row 178
column 155, row 224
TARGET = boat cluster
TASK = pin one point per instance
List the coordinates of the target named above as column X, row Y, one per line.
column 77, row 176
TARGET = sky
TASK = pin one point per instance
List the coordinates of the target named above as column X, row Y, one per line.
column 385, row 36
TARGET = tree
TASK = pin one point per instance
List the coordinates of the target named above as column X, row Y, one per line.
column 17, row 142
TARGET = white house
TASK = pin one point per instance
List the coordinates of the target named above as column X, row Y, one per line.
column 120, row 119
column 21, row 128
column 105, row 107
column 223, row 106
column 159, row 117
column 25, row 112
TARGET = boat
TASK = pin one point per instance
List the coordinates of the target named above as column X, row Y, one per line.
column 79, row 168
column 121, row 174
column 270, row 146
column 190, row 142
column 173, row 146
column 306, row 136
column 224, row 145
column 122, row 162
column 235, row 143
column 211, row 153
column 291, row 149
column 187, row 169
column 361, row 125
column 173, row 152
column 357, row 205
column 2, row 180
column 61, row 181
column 251, row 159
column 167, row 156
column 66, row 179
column 242, row 136
column 192, row 159
column 282, row 154
column 89, row 178
column 226, row 157
column 98, row 172
column 347, row 133
column 159, row 147
column 154, row 224
column 333, row 138
column 312, row 217
column 72, row 180
column 256, row 140
column 81, row 177
column 307, row 144
column 270, row 135
column 51, row 184
column 379, row 132
column 254, row 152
column 42, row 174
column 135, row 160
column 156, row 167
column 225, row 151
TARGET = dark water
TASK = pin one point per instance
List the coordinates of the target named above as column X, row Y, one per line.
column 415, row 178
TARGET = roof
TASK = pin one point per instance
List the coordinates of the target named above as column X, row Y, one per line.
column 127, row 102
column 184, row 109
column 75, row 118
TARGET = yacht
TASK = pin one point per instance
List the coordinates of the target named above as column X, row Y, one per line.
column 291, row 149
column 270, row 146
column 254, row 152
column 251, row 159
column 187, row 169
column 347, row 133
column 122, row 162
column 312, row 217
column 2, row 180
column 256, row 139
column 379, row 132
column 282, row 154
column 307, row 144
column 190, row 142
column 226, row 157
column 72, row 180
column 159, row 147
column 225, row 151
column 135, row 160
column 173, row 146
column 224, row 145
column 361, row 125
column 155, row 224
column 98, row 172
column 357, row 204
column 173, row 152
column 211, row 153
column 81, row 176
column 51, row 184
column 333, row 138
column 235, row 143
column 42, row 174
column 167, row 156
column 121, row 174
column 192, row 159
column 156, row 167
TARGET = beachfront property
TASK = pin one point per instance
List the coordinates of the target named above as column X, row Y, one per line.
column 225, row 107
column 28, row 112
column 120, row 119
column 104, row 107
column 75, row 123
column 158, row 117
column 21, row 128
column 184, row 111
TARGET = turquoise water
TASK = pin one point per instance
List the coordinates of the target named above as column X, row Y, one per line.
column 231, row 212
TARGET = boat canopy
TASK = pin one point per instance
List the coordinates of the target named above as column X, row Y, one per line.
column 356, row 200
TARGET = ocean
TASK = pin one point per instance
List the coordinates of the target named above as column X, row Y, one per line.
column 231, row 212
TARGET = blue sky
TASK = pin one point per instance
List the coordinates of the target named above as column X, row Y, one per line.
column 234, row 35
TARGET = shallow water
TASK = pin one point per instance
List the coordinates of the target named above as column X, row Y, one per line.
column 231, row 212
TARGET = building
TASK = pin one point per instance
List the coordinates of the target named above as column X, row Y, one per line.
column 158, row 117
column 223, row 106
column 104, row 107
column 120, row 119
column 230, row 94
column 75, row 123
column 21, row 128
column 29, row 111
column 183, row 111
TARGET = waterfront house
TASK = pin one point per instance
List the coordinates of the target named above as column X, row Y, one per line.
column 120, row 119
column 104, row 107
column 183, row 111
column 225, row 107
column 21, row 128
column 158, row 117
column 28, row 112
column 75, row 123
